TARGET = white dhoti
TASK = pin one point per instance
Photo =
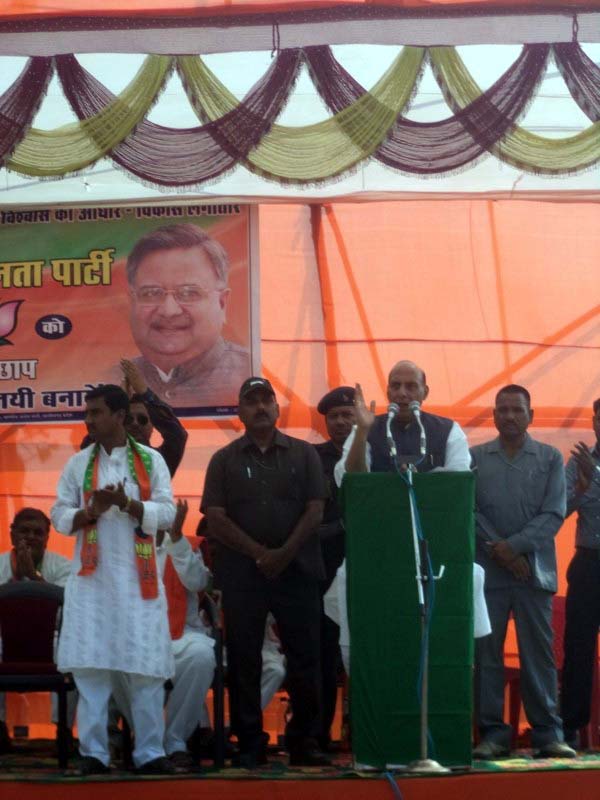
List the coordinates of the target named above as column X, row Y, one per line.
column 194, row 671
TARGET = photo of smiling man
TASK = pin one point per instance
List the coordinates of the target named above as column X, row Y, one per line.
column 178, row 287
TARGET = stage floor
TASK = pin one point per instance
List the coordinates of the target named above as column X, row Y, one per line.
column 30, row 772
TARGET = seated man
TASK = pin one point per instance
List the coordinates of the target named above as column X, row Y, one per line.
column 29, row 560
column 184, row 575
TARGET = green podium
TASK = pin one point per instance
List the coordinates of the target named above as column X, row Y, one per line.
column 385, row 633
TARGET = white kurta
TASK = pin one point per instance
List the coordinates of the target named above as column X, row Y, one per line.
column 191, row 571
column 106, row 623
column 54, row 568
column 194, row 651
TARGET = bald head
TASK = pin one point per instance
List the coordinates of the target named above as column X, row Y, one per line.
column 409, row 365
column 406, row 383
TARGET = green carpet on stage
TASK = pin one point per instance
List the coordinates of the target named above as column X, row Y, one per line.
column 384, row 621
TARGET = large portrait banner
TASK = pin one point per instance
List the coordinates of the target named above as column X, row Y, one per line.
column 167, row 287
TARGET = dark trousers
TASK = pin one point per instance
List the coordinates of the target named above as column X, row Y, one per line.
column 581, row 634
column 293, row 599
column 333, row 555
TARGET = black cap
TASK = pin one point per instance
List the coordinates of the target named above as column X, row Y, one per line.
column 252, row 384
column 342, row 396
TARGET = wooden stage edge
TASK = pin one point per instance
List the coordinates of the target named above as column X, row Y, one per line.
column 551, row 785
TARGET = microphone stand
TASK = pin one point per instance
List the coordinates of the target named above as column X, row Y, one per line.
column 424, row 765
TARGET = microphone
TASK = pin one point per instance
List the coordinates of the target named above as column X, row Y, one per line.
column 393, row 409
column 415, row 409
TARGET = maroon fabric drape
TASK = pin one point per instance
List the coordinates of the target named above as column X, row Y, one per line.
column 581, row 76
column 20, row 102
column 188, row 156
column 430, row 147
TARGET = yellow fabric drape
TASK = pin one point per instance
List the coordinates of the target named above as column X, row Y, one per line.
column 77, row 145
column 326, row 149
column 518, row 147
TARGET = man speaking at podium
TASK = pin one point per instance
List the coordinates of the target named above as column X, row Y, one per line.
column 367, row 449
column 440, row 444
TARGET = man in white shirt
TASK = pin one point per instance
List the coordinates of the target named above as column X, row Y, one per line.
column 29, row 560
column 367, row 449
column 113, row 496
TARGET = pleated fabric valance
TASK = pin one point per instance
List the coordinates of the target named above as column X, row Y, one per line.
column 362, row 124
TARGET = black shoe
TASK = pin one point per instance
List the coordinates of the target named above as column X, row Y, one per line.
column 158, row 766
column 88, row 765
column 488, row 750
column 182, row 760
column 202, row 743
column 572, row 738
column 329, row 746
column 555, row 750
column 5, row 743
column 308, row 757
column 250, row 759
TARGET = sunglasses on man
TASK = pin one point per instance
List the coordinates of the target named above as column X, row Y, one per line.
column 141, row 419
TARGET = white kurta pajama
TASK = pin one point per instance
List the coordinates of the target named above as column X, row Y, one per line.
column 107, row 626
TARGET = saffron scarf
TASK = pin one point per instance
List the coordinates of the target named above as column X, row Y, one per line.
column 176, row 599
column 140, row 466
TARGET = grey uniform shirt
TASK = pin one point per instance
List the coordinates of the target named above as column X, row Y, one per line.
column 523, row 501
column 587, row 504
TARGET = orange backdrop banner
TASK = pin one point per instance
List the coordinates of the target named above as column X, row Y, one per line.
column 479, row 292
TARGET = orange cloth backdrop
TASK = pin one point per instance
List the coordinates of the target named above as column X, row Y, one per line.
column 479, row 292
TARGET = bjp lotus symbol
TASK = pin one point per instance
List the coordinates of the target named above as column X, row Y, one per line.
column 8, row 319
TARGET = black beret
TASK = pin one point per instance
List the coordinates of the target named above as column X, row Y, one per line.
column 342, row 396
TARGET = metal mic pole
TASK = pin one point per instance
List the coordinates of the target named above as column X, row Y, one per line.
column 424, row 765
